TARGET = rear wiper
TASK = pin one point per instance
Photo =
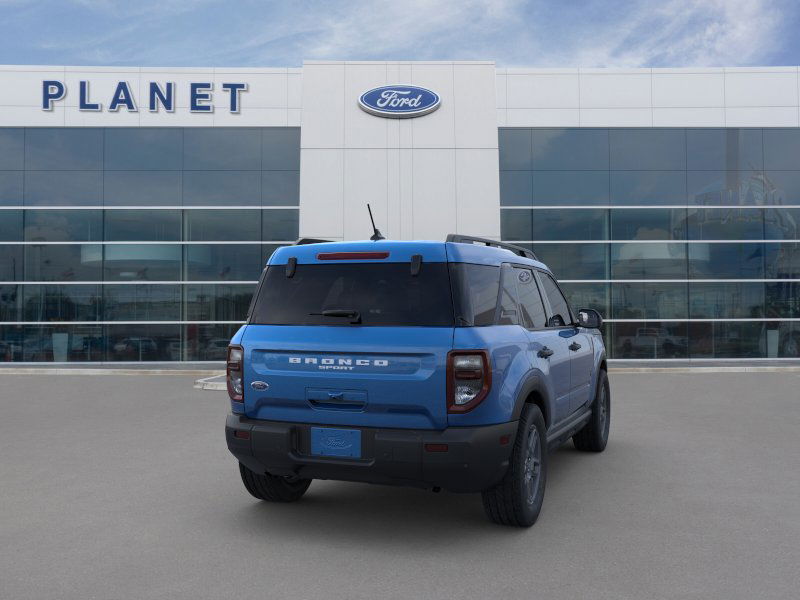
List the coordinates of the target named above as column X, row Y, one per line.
column 353, row 315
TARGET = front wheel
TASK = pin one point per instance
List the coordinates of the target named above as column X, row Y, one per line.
column 518, row 498
column 271, row 487
column 594, row 435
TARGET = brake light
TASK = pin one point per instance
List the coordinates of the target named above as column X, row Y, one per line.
column 469, row 378
column 234, row 373
column 351, row 255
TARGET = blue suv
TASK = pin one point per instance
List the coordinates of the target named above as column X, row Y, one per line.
column 455, row 365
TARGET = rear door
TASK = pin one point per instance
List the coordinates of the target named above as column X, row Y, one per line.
column 382, row 365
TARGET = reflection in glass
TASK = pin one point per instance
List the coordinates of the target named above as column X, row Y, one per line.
column 62, row 303
column 727, row 340
column 221, row 148
column 280, row 188
column 574, row 261
column 782, row 148
column 234, row 262
column 222, row 225
column 783, row 299
column 726, row 300
column 143, row 148
column 648, row 224
column 63, row 148
column 62, row 343
column 67, row 262
column 143, row 342
column 648, row 261
column 218, row 302
column 726, row 261
column 280, row 224
column 637, row 300
column 142, row 188
column 783, row 340
column 11, row 188
column 63, row 225
column 10, row 226
column 563, row 188
column 731, row 188
column 570, row 149
column 588, row 295
column 516, row 188
column 221, row 188
column 10, row 305
column 280, row 148
column 142, row 225
column 142, row 302
column 648, row 187
column 782, row 260
column 515, row 149
column 648, row 149
column 726, row 224
column 153, row 262
column 12, row 148
column 724, row 149
column 11, row 263
column 64, row 188
column 650, row 339
column 208, row 342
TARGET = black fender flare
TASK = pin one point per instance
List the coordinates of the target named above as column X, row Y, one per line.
column 534, row 383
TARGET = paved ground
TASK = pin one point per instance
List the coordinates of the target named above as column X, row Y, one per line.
column 121, row 487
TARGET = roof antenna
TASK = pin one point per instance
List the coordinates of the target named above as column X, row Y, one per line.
column 377, row 235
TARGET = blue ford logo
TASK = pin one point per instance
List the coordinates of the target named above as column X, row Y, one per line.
column 399, row 101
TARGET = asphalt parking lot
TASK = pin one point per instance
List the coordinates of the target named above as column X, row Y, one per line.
column 122, row 487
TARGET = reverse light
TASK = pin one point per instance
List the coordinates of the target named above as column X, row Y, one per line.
column 469, row 378
column 234, row 373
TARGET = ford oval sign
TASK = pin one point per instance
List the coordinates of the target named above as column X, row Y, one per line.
column 399, row 101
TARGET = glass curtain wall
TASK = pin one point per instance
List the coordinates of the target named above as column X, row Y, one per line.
column 137, row 244
column 685, row 240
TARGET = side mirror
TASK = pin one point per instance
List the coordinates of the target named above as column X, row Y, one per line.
column 589, row 318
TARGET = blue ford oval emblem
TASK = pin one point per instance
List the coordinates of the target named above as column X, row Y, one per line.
column 399, row 101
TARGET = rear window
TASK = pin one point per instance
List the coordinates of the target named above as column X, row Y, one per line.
column 475, row 293
column 383, row 294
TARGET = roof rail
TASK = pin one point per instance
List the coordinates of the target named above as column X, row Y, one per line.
column 304, row 241
column 468, row 239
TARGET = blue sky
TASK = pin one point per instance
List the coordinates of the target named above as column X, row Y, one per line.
column 585, row 33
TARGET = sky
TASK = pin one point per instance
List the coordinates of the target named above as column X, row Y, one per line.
column 566, row 33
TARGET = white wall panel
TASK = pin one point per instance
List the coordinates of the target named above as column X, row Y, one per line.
column 760, row 89
column 476, row 181
column 323, row 105
column 365, row 181
column 543, row 90
column 689, row 117
column 616, row 117
column 362, row 130
column 434, row 194
column 474, row 103
column 693, row 90
column 542, row 117
column 437, row 129
column 322, row 196
column 761, row 116
column 615, row 90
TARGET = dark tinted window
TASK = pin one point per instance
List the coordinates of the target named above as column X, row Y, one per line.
column 570, row 149
column 558, row 304
column 153, row 262
column 142, row 302
column 557, row 188
column 222, row 225
column 12, row 143
column 637, row 300
column 474, row 293
column 530, row 301
column 648, row 149
column 384, row 294
column 222, row 148
column 11, row 188
column 280, row 188
column 142, row 188
column 143, row 225
column 63, row 225
column 143, row 148
column 61, row 303
column 648, row 187
column 279, row 224
column 67, row 262
column 648, row 224
column 516, row 188
column 221, row 188
column 280, row 147
column 723, row 149
column 65, row 188
column 515, row 149
column 216, row 262
column 63, row 148
column 508, row 314
column 11, row 226
column 782, row 148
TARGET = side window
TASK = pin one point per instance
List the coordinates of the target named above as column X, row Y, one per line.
column 530, row 301
column 558, row 304
column 507, row 301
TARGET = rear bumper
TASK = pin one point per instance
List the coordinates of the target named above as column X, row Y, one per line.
column 476, row 457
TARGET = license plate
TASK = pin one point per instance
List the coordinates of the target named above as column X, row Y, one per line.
column 327, row 441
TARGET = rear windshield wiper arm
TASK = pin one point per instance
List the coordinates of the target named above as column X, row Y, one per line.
column 353, row 315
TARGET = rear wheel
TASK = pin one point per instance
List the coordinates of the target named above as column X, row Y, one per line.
column 594, row 435
column 517, row 499
column 271, row 487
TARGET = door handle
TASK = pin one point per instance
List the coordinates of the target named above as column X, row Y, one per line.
column 545, row 352
column 574, row 346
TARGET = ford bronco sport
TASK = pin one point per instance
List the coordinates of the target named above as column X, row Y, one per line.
column 455, row 365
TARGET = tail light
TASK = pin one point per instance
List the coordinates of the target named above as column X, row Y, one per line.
column 234, row 373
column 469, row 378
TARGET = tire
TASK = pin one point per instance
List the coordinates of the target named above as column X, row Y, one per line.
column 594, row 435
column 517, row 499
column 272, row 488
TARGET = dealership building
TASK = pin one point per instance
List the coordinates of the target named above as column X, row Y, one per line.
column 139, row 205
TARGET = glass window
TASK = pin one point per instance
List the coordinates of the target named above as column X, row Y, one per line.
column 648, row 149
column 11, row 263
column 648, row 187
column 570, row 149
column 559, row 309
column 11, row 339
column 143, row 148
column 62, row 343
column 221, row 188
column 783, row 341
column 783, row 299
column 142, row 302
column 142, row 188
column 563, row 188
column 730, row 188
column 62, row 303
column 11, row 193
column 557, row 224
column 530, row 300
column 648, row 224
column 63, row 225
column 727, row 340
column 782, row 261
column 142, row 225
column 648, row 261
column 588, row 295
column 507, row 300
column 63, row 148
column 726, row 224
column 10, row 226
column 726, row 261
column 516, row 225
column 280, row 188
column 726, row 300
column 10, row 308
column 67, row 262
column 280, row 148
column 218, row 302
column 782, row 148
column 781, row 223
column 575, row 261
column 515, row 149
column 12, row 148
column 783, row 187
column 153, row 262
column 65, row 188
column 280, row 224
column 650, row 339
column 221, row 148
column 222, row 225
column 636, row 300
column 234, row 262
column 724, row 149
column 475, row 290
column 208, row 342
column 383, row 294
column 143, row 342
column 516, row 188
